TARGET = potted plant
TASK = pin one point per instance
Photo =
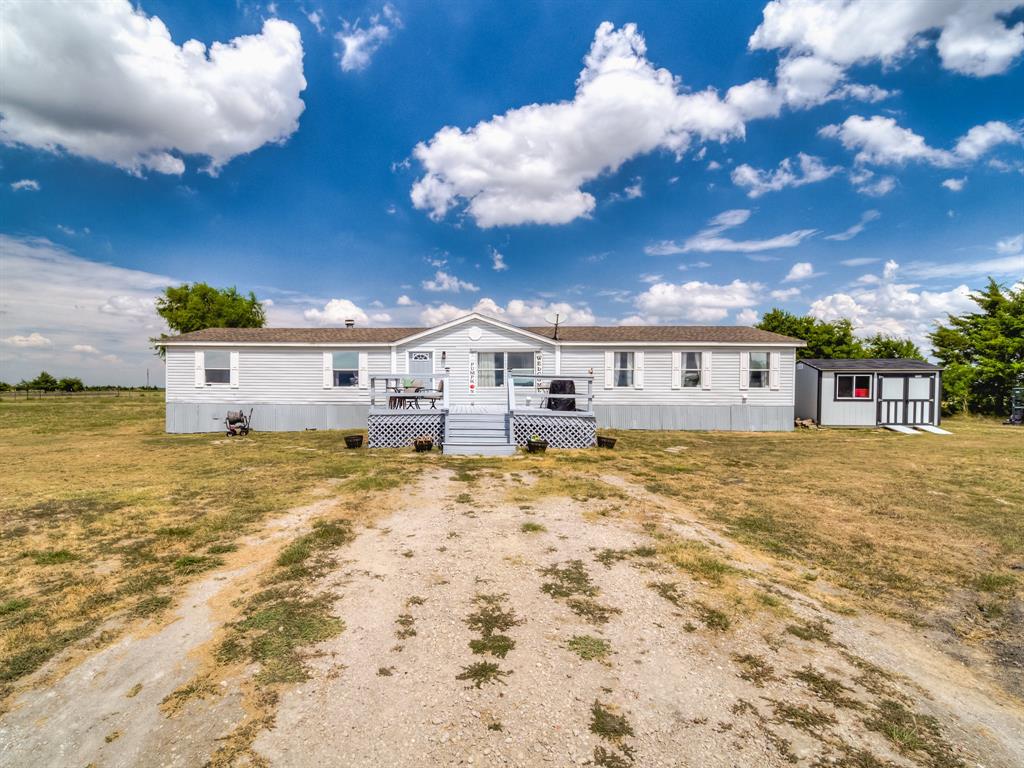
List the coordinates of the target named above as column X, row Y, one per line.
column 423, row 443
column 536, row 444
column 353, row 441
column 605, row 442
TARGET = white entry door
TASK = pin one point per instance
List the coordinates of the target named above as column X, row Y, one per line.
column 421, row 364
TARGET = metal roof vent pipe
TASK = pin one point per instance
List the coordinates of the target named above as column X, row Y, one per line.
column 350, row 323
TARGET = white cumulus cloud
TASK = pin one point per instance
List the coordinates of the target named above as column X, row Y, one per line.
column 359, row 43
column 885, row 305
column 105, row 81
column 881, row 141
column 33, row 339
column 30, row 185
column 757, row 182
column 335, row 312
column 516, row 311
column 529, row 164
column 444, row 281
column 498, row 261
column 955, row 185
column 694, row 301
column 973, row 37
column 802, row 270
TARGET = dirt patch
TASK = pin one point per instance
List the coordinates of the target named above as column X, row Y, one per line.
column 144, row 687
column 671, row 687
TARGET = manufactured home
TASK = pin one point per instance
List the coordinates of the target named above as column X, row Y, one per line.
column 868, row 392
column 478, row 378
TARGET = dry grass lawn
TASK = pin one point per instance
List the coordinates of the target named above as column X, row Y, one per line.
column 103, row 517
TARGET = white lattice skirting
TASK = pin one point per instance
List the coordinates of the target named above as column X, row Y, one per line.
column 397, row 430
column 559, row 431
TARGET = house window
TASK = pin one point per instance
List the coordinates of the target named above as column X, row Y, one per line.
column 853, row 387
column 691, row 369
column 623, row 369
column 346, row 369
column 218, row 366
column 493, row 367
column 758, row 370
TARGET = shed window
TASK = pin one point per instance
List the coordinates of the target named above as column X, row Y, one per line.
column 759, row 376
column 218, row 366
column 691, row 369
column 493, row 367
column 623, row 369
column 853, row 387
column 346, row 369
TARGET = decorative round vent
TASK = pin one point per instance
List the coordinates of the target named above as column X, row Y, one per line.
column 475, row 333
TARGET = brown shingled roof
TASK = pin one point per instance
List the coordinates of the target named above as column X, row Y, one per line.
column 297, row 335
column 723, row 334
column 619, row 334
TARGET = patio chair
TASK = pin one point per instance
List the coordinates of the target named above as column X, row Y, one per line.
column 433, row 395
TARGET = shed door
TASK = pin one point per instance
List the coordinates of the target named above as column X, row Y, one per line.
column 904, row 399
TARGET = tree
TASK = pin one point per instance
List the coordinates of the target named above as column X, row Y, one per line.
column 192, row 307
column 4, row 386
column 824, row 340
column 43, row 381
column 70, row 384
column 891, row 347
column 983, row 352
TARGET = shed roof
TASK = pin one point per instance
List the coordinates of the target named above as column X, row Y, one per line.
column 619, row 334
column 870, row 364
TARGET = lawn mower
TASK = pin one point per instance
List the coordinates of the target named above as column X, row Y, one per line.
column 237, row 423
column 1016, row 407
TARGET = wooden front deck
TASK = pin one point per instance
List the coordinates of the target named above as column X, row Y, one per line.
column 394, row 421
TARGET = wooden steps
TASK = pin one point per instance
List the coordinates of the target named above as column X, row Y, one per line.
column 477, row 434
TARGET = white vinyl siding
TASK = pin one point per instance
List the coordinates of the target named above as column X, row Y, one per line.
column 719, row 385
column 271, row 375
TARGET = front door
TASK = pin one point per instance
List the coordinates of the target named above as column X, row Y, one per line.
column 904, row 399
column 421, row 364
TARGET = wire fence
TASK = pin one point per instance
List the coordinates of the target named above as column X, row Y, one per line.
column 42, row 394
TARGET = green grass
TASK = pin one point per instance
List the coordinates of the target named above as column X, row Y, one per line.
column 568, row 580
column 481, row 673
column 754, row 669
column 915, row 735
column 589, row 648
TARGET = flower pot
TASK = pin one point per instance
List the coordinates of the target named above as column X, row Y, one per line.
column 353, row 441
column 605, row 442
column 422, row 446
column 536, row 446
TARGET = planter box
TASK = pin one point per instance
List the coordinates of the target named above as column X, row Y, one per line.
column 353, row 441
column 605, row 442
column 422, row 446
column 536, row 446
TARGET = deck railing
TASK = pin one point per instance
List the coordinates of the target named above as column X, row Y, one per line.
column 534, row 393
column 393, row 387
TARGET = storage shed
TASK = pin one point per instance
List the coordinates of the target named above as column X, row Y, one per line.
column 868, row 392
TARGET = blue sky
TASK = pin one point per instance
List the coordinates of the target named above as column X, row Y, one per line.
column 403, row 163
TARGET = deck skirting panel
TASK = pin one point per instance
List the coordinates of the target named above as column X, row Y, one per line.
column 400, row 428
column 561, row 430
